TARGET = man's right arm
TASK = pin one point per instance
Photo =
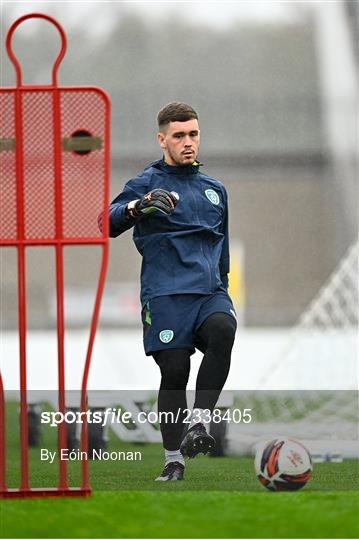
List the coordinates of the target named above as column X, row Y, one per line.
column 120, row 219
column 135, row 202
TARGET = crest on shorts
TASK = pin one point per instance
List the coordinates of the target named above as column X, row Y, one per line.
column 212, row 196
column 166, row 336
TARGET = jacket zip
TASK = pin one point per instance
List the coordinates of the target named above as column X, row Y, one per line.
column 202, row 250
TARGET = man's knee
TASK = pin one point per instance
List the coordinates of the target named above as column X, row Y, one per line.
column 218, row 331
column 175, row 367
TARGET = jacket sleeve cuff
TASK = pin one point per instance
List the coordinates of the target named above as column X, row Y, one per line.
column 120, row 220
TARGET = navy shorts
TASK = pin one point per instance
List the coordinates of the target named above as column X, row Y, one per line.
column 171, row 322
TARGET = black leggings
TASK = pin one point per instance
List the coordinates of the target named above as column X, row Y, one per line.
column 215, row 339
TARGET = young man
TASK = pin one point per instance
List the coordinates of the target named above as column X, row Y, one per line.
column 180, row 220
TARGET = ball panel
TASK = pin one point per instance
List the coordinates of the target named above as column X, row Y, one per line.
column 272, row 462
column 288, row 486
column 263, row 480
column 304, row 477
column 294, row 458
column 265, row 455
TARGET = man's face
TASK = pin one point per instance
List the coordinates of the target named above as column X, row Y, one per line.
column 179, row 142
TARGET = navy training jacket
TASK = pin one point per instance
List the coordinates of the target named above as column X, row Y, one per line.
column 186, row 252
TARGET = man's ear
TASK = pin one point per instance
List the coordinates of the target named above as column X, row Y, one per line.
column 161, row 140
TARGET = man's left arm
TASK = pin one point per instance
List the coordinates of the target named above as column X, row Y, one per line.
column 224, row 260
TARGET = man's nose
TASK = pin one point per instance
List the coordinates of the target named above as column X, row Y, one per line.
column 188, row 141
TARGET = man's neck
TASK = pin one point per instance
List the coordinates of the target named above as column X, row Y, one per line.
column 195, row 163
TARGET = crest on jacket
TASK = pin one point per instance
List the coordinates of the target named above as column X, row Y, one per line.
column 212, row 196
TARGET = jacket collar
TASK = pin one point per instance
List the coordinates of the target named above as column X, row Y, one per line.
column 178, row 170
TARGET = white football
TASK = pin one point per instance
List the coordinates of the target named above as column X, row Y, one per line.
column 283, row 464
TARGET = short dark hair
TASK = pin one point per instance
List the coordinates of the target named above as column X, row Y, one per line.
column 175, row 112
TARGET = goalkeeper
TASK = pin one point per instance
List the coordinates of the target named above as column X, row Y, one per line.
column 180, row 220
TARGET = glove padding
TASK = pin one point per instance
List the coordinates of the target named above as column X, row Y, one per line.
column 158, row 199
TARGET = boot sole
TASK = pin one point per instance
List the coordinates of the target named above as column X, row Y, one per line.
column 202, row 445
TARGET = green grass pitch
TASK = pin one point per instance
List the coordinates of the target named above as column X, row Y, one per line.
column 220, row 498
